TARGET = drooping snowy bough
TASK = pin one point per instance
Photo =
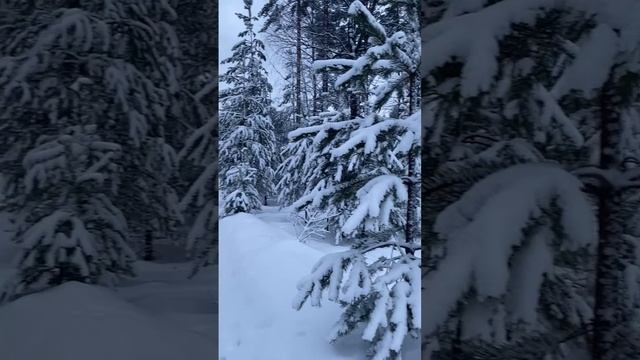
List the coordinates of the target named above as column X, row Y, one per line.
column 505, row 238
column 515, row 91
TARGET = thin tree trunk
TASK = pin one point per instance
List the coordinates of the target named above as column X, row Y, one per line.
column 456, row 347
column 411, row 226
column 314, row 84
column 324, row 55
column 353, row 104
column 148, row 246
column 298, row 61
column 412, row 199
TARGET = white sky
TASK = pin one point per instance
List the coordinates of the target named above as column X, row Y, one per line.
column 230, row 26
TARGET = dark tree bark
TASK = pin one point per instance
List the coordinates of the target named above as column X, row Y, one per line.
column 411, row 228
column 614, row 252
column 298, row 92
column 324, row 55
column 148, row 246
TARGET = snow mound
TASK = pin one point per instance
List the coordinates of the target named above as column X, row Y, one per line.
column 76, row 321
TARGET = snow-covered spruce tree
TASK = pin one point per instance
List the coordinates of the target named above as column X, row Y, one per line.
column 302, row 175
column 531, row 100
column 327, row 31
column 153, row 202
column 319, row 189
column 395, row 85
column 149, row 96
column 195, row 26
column 302, row 161
column 109, row 64
column 200, row 149
column 495, row 123
column 247, row 140
column 66, row 224
column 292, row 181
column 380, row 294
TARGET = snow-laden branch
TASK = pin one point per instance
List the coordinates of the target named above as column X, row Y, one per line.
column 487, row 223
column 374, row 201
column 360, row 12
column 595, row 57
column 395, row 309
column 369, row 135
column 449, row 38
column 552, row 110
column 614, row 179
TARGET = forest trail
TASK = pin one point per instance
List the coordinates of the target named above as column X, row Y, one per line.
column 277, row 217
column 261, row 262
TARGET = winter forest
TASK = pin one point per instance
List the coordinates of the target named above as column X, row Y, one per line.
column 320, row 181
column 256, row 179
column 107, row 179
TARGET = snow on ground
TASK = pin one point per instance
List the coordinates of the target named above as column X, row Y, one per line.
column 261, row 262
column 160, row 315
column 76, row 321
column 164, row 289
column 7, row 249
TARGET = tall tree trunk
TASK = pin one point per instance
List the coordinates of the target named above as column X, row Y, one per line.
column 353, row 105
column 411, row 227
column 314, row 84
column 614, row 252
column 298, row 95
column 325, row 55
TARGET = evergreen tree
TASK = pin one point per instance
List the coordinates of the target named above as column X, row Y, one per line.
column 499, row 115
column 77, row 76
column 200, row 150
column 67, row 226
column 368, row 158
column 196, row 120
column 247, row 144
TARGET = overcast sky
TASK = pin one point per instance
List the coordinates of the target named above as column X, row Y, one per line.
column 230, row 26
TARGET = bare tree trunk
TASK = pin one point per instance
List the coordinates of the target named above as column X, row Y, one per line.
column 325, row 75
column 314, row 84
column 412, row 200
column 411, row 227
column 298, row 94
column 353, row 104
column 148, row 246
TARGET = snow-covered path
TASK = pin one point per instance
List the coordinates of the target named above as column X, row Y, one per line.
column 261, row 262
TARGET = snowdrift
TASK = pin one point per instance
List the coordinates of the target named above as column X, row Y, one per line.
column 76, row 321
